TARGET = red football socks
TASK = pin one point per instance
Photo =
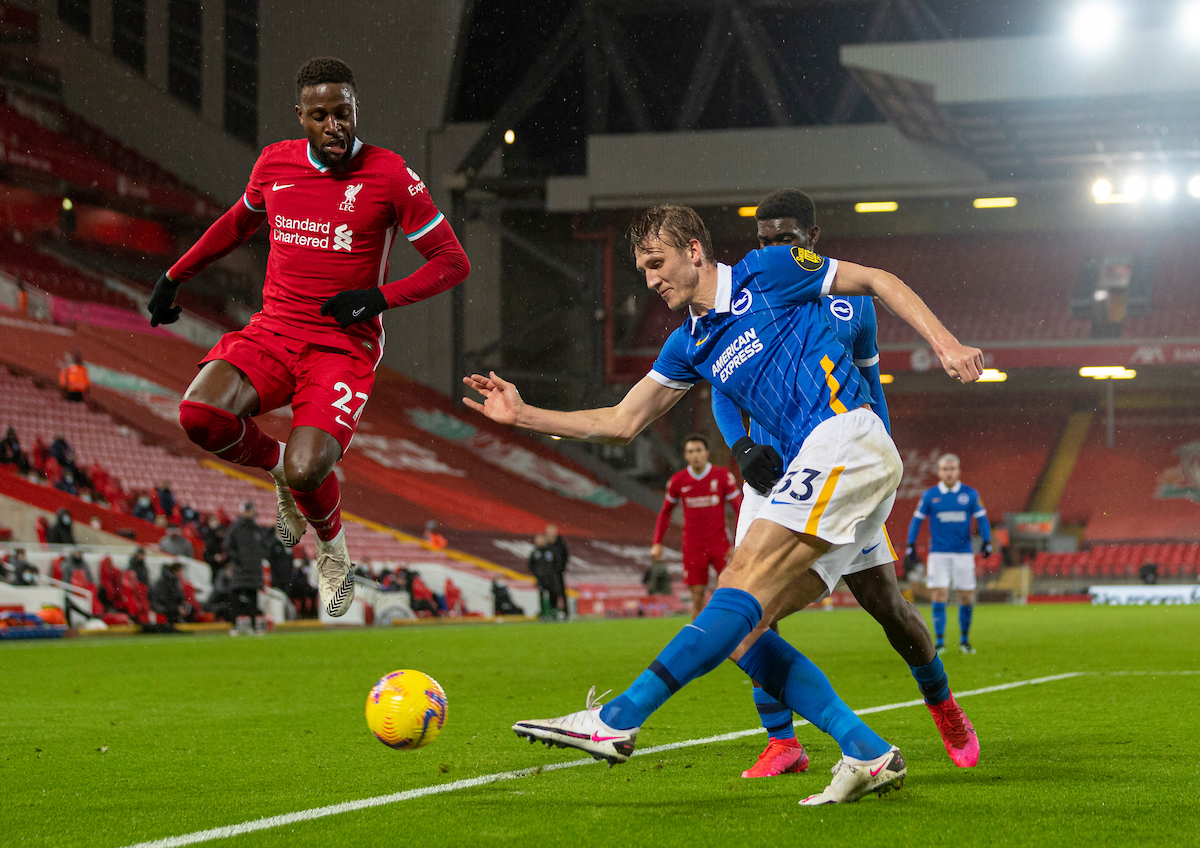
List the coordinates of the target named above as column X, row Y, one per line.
column 322, row 507
column 237, row 440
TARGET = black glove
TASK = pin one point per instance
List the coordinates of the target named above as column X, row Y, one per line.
column 350, row 307
column 761, row 465
column 986, row 550
column 160, row 307
column 910, row 555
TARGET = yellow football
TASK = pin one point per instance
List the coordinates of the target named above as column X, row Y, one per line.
column 406, row 709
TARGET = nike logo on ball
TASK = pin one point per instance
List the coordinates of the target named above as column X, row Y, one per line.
column 359, row 311
column 277, row 186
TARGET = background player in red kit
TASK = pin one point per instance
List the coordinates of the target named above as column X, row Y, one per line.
column 703, row 490
column 335, row 207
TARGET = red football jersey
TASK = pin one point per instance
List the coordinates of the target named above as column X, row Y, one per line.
column 703, row 498
column 331, row 231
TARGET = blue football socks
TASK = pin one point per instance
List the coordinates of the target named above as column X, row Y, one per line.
column 775, row 717
column 932, row 681
column 794, row 680
column 939, row 621
column 965, row 612
column 696, row 650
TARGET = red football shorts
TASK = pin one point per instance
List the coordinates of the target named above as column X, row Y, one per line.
column 696, row 561
column 328, row 387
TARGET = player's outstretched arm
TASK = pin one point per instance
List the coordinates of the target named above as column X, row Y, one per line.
column 618, row 424
column 232, row 229
column 959, row 360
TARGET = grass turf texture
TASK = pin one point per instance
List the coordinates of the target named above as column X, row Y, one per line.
column 107, row 742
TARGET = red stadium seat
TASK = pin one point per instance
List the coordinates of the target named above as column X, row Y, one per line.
column 136, row 598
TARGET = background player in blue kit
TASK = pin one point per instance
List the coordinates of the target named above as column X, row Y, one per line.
column 788, row 217
column 950, row 506
column 757, row 333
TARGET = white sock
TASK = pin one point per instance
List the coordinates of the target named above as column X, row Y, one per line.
column 277, row 471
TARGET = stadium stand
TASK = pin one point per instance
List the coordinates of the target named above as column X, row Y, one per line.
column 402, row 471
column 1146, row 486
column 36, row 269
column 1175, row 297
column 417, row 457
column 1178, row 560
column 44, row 139
column 1003, row 447
column 41, row 414
column 1003, row 287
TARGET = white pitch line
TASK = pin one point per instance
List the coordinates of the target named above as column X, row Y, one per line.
column 382, row 800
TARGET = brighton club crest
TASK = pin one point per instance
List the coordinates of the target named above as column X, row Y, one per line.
column 347, row 205
column 1182, row 481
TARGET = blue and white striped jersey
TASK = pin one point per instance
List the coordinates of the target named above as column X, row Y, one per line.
column 855, row 324
column 768, row 345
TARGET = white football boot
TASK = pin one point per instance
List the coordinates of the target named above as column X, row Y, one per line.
column 335, row 575
column 289, row 521
column 583, row 730
column 852, row 779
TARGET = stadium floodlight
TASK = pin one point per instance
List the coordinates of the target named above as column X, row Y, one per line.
column 886, row 378
column 1194, row 186
column 1101, row 190
column 509, row 136
column 67, row 205
column 1094, row 26
column 994, row 202
column 992, row 375
column 1163, row 187
column 1100, row 294
column 747, row 211
column 1189, row 22
column 1134, row 188
column 1107, row 372
column 877, row 206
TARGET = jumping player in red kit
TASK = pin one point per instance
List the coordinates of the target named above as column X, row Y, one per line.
column 335, row 207
column 703, row 491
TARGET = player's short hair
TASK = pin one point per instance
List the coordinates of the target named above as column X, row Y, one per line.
column 321, row 70
column 673, row 225
column 788, row 203
column 948, row 457
column 696, row 437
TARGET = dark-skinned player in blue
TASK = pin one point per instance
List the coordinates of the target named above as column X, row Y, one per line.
column 788, row 217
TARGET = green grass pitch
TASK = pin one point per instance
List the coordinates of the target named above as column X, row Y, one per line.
column 110, row 742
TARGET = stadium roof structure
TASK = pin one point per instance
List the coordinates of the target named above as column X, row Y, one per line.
column 962, row 115
column 1038, row 106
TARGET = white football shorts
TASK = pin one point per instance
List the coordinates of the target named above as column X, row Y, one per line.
column 839, row 488
column 958, row 569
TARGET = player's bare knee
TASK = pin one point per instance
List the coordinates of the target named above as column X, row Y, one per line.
column 222, row 386
column 304, row 471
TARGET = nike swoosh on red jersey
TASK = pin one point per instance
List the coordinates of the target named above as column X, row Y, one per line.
column 277, row 186
column 598, row 738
